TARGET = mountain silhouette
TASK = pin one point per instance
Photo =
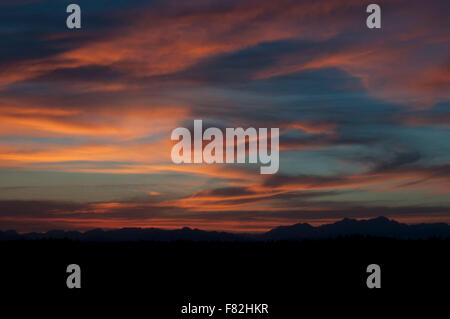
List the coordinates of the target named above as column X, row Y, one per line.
column 377, row 227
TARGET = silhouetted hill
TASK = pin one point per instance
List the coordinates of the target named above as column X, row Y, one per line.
column 377, row 227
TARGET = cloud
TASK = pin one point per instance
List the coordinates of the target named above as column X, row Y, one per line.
column 166, row 39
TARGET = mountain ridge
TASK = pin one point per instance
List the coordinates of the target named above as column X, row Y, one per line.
column 376, row 227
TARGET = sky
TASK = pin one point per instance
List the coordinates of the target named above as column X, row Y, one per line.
column 86, row 115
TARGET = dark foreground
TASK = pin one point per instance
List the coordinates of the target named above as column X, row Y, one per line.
column 154, row 280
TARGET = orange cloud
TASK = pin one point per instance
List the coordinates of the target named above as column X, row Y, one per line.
column 158, row 41
column 124, row 124
column 313, row 127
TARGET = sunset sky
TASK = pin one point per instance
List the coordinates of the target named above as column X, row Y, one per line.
column 86, row 115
